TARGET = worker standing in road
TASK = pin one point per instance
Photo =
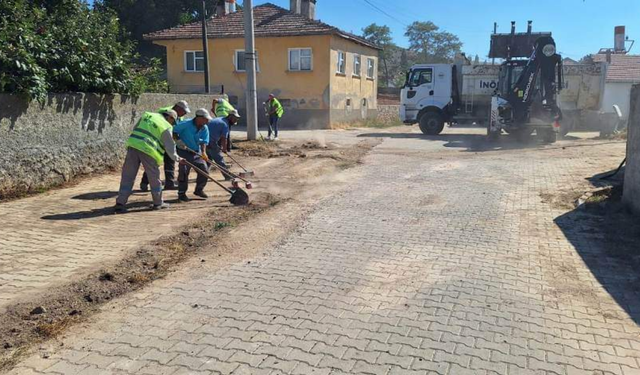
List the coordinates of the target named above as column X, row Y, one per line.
column 182, row 109
column 218, row 134
column 148, row 143
column 221, row 107
column 275, row 110
column 194, row 135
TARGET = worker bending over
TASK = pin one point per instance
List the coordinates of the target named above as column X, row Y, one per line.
column 221, row 107
column 275, row 110
column 148, row 143
column 182, row 109
column 194, row 136
column 218, row 134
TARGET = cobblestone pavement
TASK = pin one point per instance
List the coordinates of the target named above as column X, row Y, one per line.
column 50, row 238
column 436, row 260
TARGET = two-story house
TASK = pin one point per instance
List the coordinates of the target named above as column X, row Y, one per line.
column 321, row 74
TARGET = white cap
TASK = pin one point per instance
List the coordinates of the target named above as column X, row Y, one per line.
column 171, row 113
column 202, row 112
column 234, row 113
column 184, row 105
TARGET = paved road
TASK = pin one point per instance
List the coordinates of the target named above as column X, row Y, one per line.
column 440, row 258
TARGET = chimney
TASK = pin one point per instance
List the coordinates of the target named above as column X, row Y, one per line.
column 295, row 6
column 225, row 7
column 308, row 9
column 620, row 33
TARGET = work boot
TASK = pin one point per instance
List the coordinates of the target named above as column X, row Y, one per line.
column 183, row 198
column 171, row 187
column 144, row 187
column 120, row 209
column 162, row 206
column 201, row 194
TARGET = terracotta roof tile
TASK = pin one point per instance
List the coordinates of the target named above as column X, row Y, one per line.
column 623, row 68
column 270, row 21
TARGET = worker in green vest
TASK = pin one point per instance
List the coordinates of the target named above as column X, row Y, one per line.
column 275, row 111
column 150, row 140
column 182, row 109
column 221, row 107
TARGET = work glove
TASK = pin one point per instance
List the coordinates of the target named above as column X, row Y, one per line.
column 205, row 157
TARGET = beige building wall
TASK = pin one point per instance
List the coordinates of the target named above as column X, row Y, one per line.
column 305, row 94
column 352, row 97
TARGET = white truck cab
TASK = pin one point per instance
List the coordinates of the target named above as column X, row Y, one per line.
column 428, row 96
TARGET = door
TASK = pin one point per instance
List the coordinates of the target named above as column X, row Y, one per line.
column 421, row 85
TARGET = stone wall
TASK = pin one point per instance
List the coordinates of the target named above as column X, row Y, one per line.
column 43, row 145
column 389, row 113
column 632, row 171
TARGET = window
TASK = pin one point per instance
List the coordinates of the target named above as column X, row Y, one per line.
column 342, row 63
column 194, row 61
column 300, row 59
column 371, row 65
column 240, row 63
column 421, row 77
column 356, row 65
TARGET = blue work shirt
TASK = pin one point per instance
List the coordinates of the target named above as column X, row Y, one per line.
column 218, row 128
column 190, row 135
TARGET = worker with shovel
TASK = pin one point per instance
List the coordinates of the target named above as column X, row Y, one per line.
column 221, row 107
column 275, row 112
column 218, row 133
column 182, row 109
column 194, row 134
column 148, row 143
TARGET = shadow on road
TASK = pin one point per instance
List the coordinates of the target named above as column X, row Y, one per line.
column 98, row 195
column 606, row 237
column 469, row 142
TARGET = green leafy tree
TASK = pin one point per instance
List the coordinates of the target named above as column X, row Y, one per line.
column 62, row 46
column 430, row 44
column 381, row 36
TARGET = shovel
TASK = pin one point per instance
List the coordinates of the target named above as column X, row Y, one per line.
column 246, row 173
column 239, row 197
column 236, row 177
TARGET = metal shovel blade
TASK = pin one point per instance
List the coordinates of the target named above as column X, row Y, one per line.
column 239, row 197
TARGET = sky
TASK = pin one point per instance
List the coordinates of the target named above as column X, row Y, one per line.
column 580, row 27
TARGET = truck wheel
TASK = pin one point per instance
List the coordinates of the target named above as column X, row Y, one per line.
column 431, row 123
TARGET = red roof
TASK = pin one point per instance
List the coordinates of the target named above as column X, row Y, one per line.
column 623, row 68
column 270, row 21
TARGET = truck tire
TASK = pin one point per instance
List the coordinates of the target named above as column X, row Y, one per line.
column 431, row 123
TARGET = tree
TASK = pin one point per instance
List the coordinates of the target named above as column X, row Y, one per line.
column 381, row 36
column 139, row 17
column 62, row 46
column 432, row 45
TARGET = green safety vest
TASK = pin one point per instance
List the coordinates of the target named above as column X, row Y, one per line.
column 223, row 108
column 164, row 109
column 275, row 104
column 147, row 136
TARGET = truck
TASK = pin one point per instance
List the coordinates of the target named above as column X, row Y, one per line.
column 520, row 96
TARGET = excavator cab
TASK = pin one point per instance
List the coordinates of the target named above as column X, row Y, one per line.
column 529, row 80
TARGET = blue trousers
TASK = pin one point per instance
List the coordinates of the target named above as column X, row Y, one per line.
column 273, row 122
column 215, row 154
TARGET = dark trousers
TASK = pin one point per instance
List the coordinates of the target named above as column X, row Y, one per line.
column 169, row 174
column 215, row 154
column 183, row 172
column 273, row 122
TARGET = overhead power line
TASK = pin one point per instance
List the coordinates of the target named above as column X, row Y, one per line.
column 384, row 12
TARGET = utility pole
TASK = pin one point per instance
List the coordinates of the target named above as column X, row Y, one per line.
column 205, row 48
column 250, row 66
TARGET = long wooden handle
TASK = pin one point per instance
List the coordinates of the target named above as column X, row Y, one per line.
column 203, row 173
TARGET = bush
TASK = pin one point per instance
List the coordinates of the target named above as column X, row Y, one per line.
column 65, row 46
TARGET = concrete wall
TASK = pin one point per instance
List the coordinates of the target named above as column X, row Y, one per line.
column 616, row 93
column 304, row 94
column 632, row 172
column 70, row 135
column 389, row 113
